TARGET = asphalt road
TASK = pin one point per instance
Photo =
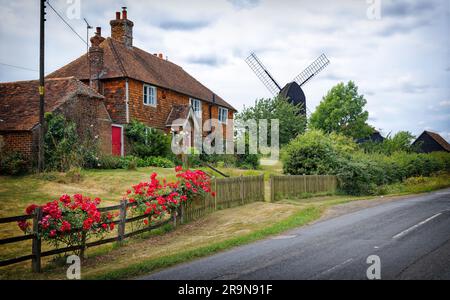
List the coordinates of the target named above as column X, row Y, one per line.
column 410, row 236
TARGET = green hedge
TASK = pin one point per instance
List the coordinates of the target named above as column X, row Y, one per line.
column 132, row 162
column 358, row 173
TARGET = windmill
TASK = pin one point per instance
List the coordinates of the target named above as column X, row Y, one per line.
column 293, row 90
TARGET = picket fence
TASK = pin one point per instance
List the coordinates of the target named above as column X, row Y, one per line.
column 297, row 185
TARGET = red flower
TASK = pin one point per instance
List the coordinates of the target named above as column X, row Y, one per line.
column 178, row 169
column 105, row 226
column 146, row 222
column 111, row 226
column 52, row 233
column 87, row 223
column 65, row 226
column 65, row 199
column 23, row 225
column 30, row 209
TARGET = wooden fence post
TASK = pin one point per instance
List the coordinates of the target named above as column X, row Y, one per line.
column 262, row 188
column 182, row 213
column 174, row 217
column 272, row 189
column 215, row 191
column 83, row 244
column 36, row 246
column 241, row 189
column 122, row 219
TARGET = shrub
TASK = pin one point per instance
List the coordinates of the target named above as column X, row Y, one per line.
column 61, row 144
column 359, row 173
column 13, row 163
column 157, row 199
column 160, row 162
column 145, row 141
column 310, row 153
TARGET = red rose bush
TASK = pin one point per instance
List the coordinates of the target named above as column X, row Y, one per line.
column 158, row 199
column 70, row 220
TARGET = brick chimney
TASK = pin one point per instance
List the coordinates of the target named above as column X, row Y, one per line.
column 122, row 28
column 96, row 59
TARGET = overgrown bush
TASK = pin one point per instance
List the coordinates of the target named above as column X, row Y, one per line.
column 359, row 173
column 13, row 163
column 310, row 153
column 145, row 141
column 63, row 147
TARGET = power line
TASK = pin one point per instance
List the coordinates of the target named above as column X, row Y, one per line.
column 18, row 67
column 65, row 22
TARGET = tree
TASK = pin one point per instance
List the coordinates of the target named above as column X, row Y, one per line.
column 292, row 123
column 342, row 111
column 400, row 142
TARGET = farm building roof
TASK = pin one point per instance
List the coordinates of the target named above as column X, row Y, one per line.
column 19, row 101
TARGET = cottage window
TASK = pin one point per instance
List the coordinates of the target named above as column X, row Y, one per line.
column 223, row 115
column 149, row 95
column 197, row 107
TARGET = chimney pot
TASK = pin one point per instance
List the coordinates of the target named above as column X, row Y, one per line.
column 160, row 55
column 98, row 31
column 122, row 29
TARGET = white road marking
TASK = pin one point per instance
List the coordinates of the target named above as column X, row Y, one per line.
column 283, row 237
column 415, row 226
column 334, row 268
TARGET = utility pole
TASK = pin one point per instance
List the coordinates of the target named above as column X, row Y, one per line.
column 41, row 89
column 87, row 34
column 87, row 48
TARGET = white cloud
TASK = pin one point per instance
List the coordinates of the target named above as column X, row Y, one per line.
column 400, row 62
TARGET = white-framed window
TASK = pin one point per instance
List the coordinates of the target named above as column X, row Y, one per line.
column 197, row 107
column 223, row 115
column 149, row 95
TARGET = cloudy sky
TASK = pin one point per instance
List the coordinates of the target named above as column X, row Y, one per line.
column 400, row 61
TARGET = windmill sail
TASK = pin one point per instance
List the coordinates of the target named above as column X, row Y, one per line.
column 263, row 74
column 312, row 70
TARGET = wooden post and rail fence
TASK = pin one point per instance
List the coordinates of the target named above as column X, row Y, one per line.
column 229, row 192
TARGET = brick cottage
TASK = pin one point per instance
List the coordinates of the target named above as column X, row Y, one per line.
column 19, row 118
column 131, row 83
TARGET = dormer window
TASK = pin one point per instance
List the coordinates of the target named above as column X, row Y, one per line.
column 149, row 95
column 197, row 107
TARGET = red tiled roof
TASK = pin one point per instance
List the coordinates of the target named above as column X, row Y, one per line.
column 19, row 101
column 122, row 61
column 439, row 139
column 178, row 112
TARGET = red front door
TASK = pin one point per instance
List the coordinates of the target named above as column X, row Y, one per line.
column 117, row 140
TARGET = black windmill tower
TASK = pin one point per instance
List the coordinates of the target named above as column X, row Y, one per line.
column 293, row 90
